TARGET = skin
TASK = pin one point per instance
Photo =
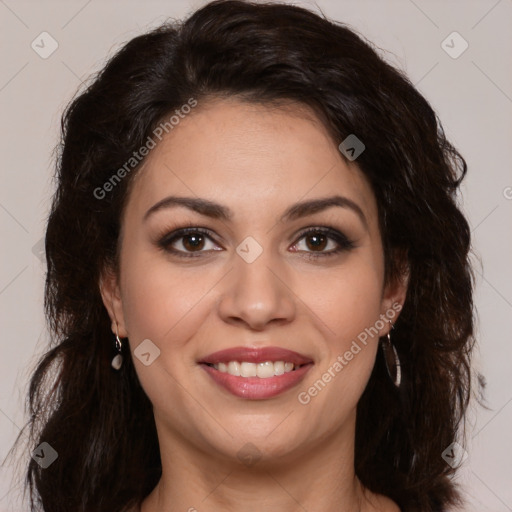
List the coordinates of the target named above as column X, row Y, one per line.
column 257, row 160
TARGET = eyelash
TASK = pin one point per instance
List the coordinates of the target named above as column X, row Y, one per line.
column 344, row 244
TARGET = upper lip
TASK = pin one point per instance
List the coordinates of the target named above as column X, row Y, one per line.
column 256, row 355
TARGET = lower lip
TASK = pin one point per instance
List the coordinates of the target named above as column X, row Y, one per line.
column 254, row 388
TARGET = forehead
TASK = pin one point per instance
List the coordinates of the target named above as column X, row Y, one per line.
column 250, row 156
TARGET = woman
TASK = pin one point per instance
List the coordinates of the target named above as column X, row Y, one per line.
column 258, row 279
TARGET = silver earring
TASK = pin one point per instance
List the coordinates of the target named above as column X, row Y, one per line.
column 117, row 361
column 392, row 361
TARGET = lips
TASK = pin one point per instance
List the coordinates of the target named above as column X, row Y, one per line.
column 256, row 355
column 256, row 388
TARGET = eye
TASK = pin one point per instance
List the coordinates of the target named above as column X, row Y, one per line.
column 318, row 239
column 185, row 242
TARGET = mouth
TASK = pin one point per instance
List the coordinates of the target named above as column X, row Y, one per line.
column 256, row 373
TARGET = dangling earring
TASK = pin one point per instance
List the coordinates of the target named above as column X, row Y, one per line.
column 117, row 361
column 392, row 361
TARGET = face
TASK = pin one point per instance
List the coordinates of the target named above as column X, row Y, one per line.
column 257, row 268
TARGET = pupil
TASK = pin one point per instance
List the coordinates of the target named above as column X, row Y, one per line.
column 319, row 241
column 193, row 241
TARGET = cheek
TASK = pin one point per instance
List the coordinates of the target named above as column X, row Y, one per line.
column 348, row 299
column 163, row 303
column 347, row 302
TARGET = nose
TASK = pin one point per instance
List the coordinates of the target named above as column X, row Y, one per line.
column 257, row 294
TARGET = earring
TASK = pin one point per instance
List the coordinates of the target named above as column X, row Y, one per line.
column 392, row 361
column 117, row 361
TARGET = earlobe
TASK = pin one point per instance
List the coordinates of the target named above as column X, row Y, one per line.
column 111, row 296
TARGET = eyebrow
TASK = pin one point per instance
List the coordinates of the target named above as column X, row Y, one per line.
column 218, row 211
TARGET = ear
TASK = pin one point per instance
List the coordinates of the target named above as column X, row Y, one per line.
column 111, row 295
column 393, row 299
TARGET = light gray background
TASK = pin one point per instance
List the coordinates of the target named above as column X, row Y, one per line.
column 472, row 95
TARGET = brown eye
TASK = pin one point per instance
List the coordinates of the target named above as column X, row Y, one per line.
column 193, row 242
column 323, row 242
column 317, row 241
column 186, row 242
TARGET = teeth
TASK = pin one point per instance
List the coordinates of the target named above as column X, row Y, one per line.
column 248, row 370
column 261, row 370
column 265, row 370
column 278, row 368
column 234, row 368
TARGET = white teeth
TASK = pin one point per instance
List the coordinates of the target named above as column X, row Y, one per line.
column 234, row 368
column 265, row 370
column 279, row 368
column 248, row 370
column 262, row 370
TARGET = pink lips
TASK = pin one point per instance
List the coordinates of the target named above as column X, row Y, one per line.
column 255, row 388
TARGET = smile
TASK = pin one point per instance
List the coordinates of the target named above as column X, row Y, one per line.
column 256, row 373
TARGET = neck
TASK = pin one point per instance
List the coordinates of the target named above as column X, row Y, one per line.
column 318, row 477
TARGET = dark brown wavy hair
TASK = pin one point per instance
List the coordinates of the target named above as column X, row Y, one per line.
column 101, row 422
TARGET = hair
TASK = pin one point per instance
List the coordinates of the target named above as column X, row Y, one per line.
column 101, row 422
